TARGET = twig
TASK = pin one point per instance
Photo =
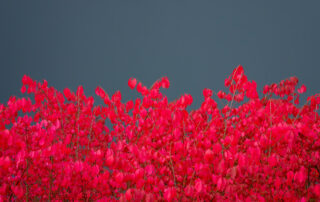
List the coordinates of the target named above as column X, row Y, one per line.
column 172, row 168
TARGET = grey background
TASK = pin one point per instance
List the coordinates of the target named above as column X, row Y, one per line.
column 196, row 44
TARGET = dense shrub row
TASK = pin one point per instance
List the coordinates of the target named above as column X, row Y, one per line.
column 266, row 148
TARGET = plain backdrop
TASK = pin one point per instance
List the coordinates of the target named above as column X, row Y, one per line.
column 196, row 44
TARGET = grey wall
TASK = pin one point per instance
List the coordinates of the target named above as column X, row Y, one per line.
column 195, row 43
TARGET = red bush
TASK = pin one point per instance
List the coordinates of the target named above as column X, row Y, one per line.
column 261, row 150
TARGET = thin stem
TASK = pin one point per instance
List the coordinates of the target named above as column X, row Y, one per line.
column 60, row 108
column 225, row 123
column 51, row 178
column 89, row 139
column 27, row 162
column 299, row 112
column 77, row 124
column 27, row 187
column 236, row 86
column 172, row 168
column 270, row 130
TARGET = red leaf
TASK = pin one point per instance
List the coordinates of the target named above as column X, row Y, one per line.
column 316, row 190
column 169, row 194
column 207, row 92
column 119, row 178
column 199, row 186
column 132, row 82
column 302, row 89
column 128, row 194
column 23, row 89
column 165, row 82
column 208, row 155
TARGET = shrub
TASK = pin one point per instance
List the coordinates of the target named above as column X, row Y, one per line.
column 260, row 150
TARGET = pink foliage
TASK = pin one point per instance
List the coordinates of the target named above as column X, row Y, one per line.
column 267, row 148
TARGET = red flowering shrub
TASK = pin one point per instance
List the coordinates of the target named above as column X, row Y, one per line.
column 264, row 149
